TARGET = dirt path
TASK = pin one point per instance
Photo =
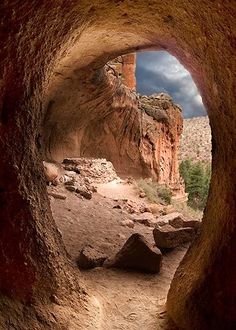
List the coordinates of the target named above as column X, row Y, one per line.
column 127, row 300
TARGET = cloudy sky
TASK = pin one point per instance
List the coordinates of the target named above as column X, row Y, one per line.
column 161, row 72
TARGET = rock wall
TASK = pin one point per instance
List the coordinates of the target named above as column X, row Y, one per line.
column 128, row 72
column 162, row 126
column 139, row 135
column 125, row 67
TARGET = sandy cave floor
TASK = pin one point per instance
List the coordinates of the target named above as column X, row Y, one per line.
column 128, row 300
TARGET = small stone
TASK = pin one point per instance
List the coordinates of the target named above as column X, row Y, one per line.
column 84, row 193
column 168, row 209
column 130, row 209
column 54, row 299
column 71, row 188
column 57, row 195
column 121, row 236
column 161, row 223
column 71, row 167
column 171, row 216
column 146, row 219
column 127, row 223
column 70, row 183
column 142, row 194
column 144, row 209
column 87, row 180
column 94, row 189
column 55, row 182
column 117, row 206
column 155, row 208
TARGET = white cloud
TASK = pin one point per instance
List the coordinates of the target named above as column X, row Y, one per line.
column 198, row 99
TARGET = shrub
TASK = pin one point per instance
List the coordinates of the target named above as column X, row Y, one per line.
column 197, row 179
column 165, row 194
column 155, row 192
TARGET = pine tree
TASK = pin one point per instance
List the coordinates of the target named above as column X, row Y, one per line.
column 197, row 179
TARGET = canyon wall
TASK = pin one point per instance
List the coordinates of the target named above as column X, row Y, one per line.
column 138, row 134
column 125, row 67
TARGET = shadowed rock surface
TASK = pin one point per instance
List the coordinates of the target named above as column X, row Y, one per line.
column 137, row 254
column 168, row 237
column 90, row 258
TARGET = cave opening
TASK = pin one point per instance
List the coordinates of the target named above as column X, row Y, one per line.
column 120, row 178
column 39, row 286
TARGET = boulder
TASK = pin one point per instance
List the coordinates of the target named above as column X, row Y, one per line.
column 168, row 237
column 137, row 254
column 90, row 258
column 195, row 224
column 51, row 171
column 170, row 216
column 146, row 219
column 178, row 221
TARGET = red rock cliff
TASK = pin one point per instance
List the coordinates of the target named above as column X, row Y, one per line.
column 139, row 135
column 125, row 67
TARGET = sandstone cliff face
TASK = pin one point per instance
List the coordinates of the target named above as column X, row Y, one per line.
column 139, row 135
column 125, row 67
column 161, row 131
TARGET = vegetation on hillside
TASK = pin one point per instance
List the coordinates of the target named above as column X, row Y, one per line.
column 155, row 192
column 197, row 179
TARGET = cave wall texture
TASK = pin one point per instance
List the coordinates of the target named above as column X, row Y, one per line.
column 39, row 38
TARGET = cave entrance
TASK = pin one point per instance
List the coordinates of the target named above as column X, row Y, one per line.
column 79, row 38
column 120, row 176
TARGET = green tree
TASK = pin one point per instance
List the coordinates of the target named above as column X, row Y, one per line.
column 197, row 179
column 185, row 168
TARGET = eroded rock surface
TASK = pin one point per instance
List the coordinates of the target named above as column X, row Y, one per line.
column 138, row 134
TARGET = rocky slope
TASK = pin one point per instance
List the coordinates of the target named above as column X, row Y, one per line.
column 129, row 300
column 196, row 139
